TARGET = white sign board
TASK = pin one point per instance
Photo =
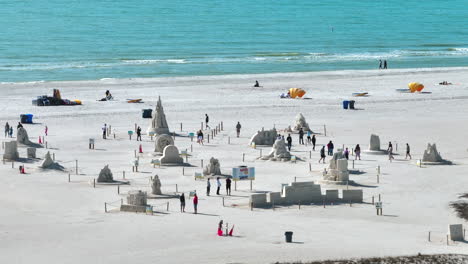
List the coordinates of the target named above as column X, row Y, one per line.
column 243, row 173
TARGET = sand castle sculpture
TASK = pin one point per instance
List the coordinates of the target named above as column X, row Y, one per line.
column 137, row 201
column 171, row 156
column 105, row 175
column 137, row 198
column 156, row 186
column 278, row 151
column 264, row 137
column 338, row 169
column 303, row 193
column 431, row 155
column 23, row 138
column 158, row 122
column 213, row 168
column 162, row 141
column 49, row 163
column 301, row 123
column 11, row 151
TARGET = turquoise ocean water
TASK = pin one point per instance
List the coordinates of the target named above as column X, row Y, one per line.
column 94, row 39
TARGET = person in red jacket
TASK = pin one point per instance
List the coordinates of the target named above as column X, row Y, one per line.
column 195, row 203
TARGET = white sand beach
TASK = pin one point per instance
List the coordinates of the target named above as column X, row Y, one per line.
column 46, row 219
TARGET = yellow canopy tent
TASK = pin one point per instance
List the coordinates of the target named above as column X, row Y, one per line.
column 296, row 92
column 415, row 87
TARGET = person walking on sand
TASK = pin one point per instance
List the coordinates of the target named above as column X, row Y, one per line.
column 322, row 155
column 46, row 130
column 104, row 129
column 195, row 203
column 346, row 154
column 200, row 137
column 207, row 119
column 182, row 203
column 218, row 185
column 208, row 187
column 357, row 152
column 11, row 131
column 309, row 139
column 301, row 136
column 228, row 186
column 408, row 151
column 330, row 147
column 138, row 134
column 289, row 140
column 380, row 64
column 390, row 151
column 385, row 64
column 314, row 140
column 238, row 127
column 7, row 129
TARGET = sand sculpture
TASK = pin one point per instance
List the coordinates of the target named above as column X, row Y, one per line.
column 303, row 193
column 374, row 143
column 338, row 169
column 431, row 155
column 158, row 122
column 48, row 163
column 31, row 153
column 23, row 138
column 278, row 151
column 137, row 201
column 161, row 142
column 156, row 186
column 171, row 156
column 301, row 123
column 105, row 175
column 137, row 198
column 264, row 137
column 213, row 168
column 11, row 151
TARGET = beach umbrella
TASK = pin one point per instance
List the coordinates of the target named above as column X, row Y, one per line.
column 296, row 92
column 415, row 87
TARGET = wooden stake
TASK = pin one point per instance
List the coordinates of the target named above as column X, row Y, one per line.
column 429, row 237
column 118, row 189
column 94, row 183
column 76, row 167
column 105, row 207
column 68, row 177
column 243, row 157
column 325, row 130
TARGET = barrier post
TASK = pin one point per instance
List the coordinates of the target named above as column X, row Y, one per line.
column 325, row 130
column 68, row 177
column 94, row 183
column 243, row 157
column 180, row 127
column 105, row 207
column 76, row 167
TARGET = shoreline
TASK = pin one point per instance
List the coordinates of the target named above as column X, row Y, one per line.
column 329, row 73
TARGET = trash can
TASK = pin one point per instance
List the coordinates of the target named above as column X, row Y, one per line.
column 351, row 104
column 26, row 119
column 288, row 235
column 345, row 104
column 147, row 113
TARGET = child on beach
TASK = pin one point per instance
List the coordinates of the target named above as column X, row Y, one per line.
column 200, row 137
column 195, row 203
column 11, row 131
column 289, row 140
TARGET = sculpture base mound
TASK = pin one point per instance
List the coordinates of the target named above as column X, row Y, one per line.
column 327, row 182
column 429, row 163
column 376, row 152
column 133, row 208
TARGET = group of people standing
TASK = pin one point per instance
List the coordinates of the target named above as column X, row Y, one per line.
column 311, row 139
column 218, row 186
column 382, row 64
